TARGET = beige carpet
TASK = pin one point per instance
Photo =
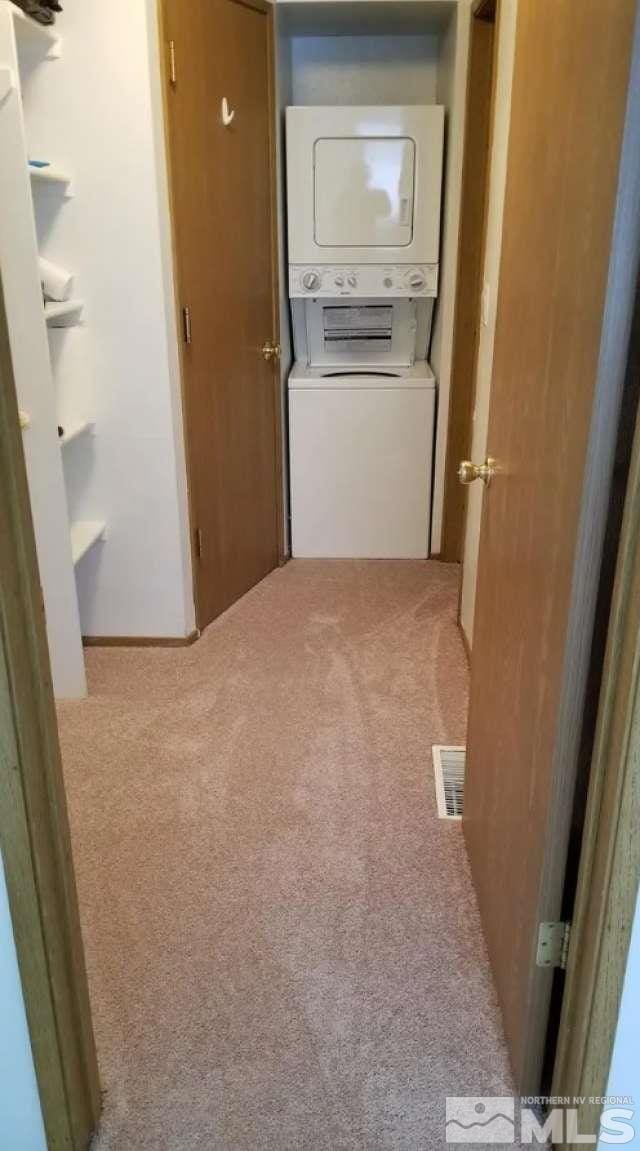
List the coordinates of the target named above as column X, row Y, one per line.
column 282, row 941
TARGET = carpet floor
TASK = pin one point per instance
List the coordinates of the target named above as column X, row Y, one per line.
column 283, row 946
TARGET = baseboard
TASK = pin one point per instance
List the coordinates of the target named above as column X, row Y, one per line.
column 140, row 640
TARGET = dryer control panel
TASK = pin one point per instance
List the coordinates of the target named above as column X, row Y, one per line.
column 406, row 281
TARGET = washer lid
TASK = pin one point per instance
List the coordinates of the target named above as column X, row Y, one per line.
column 419, row 375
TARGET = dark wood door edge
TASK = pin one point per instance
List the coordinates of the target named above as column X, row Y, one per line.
column 484, row 10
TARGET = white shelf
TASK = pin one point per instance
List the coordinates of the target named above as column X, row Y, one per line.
column 51, row 179
column 35, row 37
column 84, row 534
column 27, row 71
column 62, row 315
column 76, row 429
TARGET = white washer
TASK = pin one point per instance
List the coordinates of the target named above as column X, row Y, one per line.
column 361, row 448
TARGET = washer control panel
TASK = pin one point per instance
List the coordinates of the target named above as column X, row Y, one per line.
column 366, row 280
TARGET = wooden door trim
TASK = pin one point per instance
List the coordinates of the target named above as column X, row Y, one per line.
column 468, row 293
column 610, row 862
column 165, row 84
column 34, row 829
column 609, row 872
column 275, row 279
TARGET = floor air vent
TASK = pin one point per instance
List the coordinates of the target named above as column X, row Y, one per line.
column 448, row 766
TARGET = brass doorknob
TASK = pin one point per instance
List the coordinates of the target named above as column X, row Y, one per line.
column 468, row 471
column 270, row 351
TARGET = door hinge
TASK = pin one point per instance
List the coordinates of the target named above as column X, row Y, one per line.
column 198, row 542
column 553, row 944
column 186, row 323
column 173, row 75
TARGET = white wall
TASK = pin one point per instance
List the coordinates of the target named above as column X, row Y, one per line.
column 493, row 248
column 21, row 1126
column 97, row 114
column 624, row 1076
column 364, row 69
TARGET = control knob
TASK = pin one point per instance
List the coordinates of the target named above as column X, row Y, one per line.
column 310, row 280
column 339, row 281
column 417, row 281
column 352, row 280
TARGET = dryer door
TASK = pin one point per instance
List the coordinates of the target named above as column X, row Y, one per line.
column 364, row 191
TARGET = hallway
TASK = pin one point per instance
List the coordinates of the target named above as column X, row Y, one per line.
column 282, row 940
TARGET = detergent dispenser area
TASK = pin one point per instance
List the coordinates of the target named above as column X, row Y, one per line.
column 364, row 187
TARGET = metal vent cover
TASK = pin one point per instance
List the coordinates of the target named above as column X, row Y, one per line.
column 448, row 768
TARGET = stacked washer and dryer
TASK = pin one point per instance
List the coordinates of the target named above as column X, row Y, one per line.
column 364, row 192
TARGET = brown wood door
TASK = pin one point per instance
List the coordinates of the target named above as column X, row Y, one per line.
column 568, row 108
column 223, row 205
column 471, row 253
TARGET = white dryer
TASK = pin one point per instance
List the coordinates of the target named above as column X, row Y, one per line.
column 364, row 188
column 361, row 446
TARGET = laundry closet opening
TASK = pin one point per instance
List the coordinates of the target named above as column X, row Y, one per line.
column 370, row 103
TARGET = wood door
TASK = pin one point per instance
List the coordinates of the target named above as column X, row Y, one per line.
column 471, row 249
column 568, row 108
column 223, row 214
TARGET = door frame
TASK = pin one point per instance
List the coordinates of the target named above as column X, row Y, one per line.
column 34, row 829
column 164, row 57
column 609, row 874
